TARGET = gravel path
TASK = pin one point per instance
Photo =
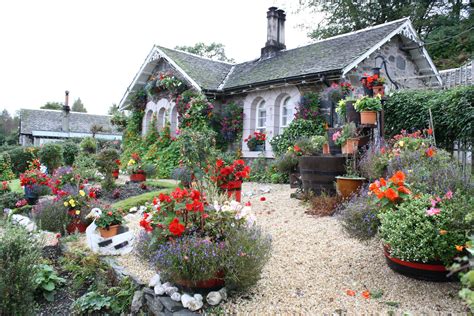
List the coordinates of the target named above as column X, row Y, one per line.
column 314, row 263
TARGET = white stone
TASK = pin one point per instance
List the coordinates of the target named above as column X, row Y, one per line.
column 213, row 298
column 223, row 293
column 159, row 290
column 167, row 284
column 185, row 299
column 155, row 280
column 176, row 297
column 195, row 304
column 198, row 297
column 171, row 290
column 133, row 209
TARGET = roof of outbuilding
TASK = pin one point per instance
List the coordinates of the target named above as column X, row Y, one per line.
column 51, row 120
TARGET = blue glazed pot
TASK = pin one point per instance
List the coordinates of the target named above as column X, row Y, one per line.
column 31, row 194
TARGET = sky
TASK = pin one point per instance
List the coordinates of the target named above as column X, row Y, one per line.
column 94, row 48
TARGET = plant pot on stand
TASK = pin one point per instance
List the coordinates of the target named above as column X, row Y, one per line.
column 368, row 117
column 347, row 186
column 350, row 146
column 379, row 90
column 31, row 194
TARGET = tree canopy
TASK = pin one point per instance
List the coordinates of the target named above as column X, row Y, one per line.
column 8, row 128
column 446, row 26
column 52, row 106
column 213, row 50
column 78, row 106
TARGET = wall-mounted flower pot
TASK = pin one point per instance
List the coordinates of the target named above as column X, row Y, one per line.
column 347, row 186
column 378, row 90
column 109, row 231
column 350, row 146
column 368, row 117
column 260, row 148
column 139, row 176
column 115, row 174
column 351, row 114
column 430, row 271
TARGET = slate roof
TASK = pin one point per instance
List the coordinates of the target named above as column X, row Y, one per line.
column 208, row 74
column 51, row 121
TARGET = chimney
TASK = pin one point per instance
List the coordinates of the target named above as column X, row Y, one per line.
column 275, row 32
column 65, row 116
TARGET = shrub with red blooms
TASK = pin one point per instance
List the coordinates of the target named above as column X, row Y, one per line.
column 229, row 176
column 34, row 177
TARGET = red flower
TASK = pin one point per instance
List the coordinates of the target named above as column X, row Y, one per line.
column 391, row 194
column 248, row 203
column 176, row 228
column 366, row 294
column 350, row 292
column 263, row 199
column 109, row 213
column 297, row 148
column 146, row 224
column 92, row 194
column 430, row 152
column 219, row 163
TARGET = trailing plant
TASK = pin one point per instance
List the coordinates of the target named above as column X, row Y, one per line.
column 47, row 281
column 51, row 155
column 287, row 163
column 308, row 107
column 349, row 130
column 255, row 139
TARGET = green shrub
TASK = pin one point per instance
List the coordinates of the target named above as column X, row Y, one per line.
column 85, row 166
column 6, row 172
column 47, row 281
column 452, row 112
column 260, row 170
column 297, row 129
column 20, row 158
column 50, row 215
column 92, row 302
column 18, row 255
column 70, row 151
column 9, row 199
column 51, row 155
column 288, row 163
column 89, row 145
column 105, row 162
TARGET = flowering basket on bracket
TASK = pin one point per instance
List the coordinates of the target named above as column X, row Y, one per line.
column 257, row 139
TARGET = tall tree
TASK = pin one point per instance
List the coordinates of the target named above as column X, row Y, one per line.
column 443, row 24
column 8, row 128
column 113, row 109
column 77, row 106
column 214, row 51
column 52, row 106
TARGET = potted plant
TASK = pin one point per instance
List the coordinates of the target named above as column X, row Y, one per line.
column 256, row 142
column 373, row 85
column 378, row 86
column 437, row 227
column 351, row 182
column 229, row 177
column 368, row 108
column 76, row 205
column 109, row 223
column 115, row 172
column 347, row 138
column 135, row 169
column 32, row 180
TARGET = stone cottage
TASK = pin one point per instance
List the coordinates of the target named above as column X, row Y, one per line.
column 38, row 127
column 268, row 88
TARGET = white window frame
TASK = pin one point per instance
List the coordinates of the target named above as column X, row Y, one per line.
column 289, row 118
column 261, row 105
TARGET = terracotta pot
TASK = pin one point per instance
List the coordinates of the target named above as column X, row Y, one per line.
column 326, row 149
column 368, row 117
column 76, row 225
column 138, row 176
column 115, row 174
column 350, row 146
column 217, row 282
column 109, row 231
column 378, row 90
column 347, row 186
column 433, row 271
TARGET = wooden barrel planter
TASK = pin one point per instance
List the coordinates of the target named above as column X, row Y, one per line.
column 431, row 271
column 318, row 173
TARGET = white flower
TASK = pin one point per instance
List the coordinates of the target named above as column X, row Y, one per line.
column 217, row 206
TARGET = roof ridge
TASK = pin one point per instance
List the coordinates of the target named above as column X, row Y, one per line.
column 60, row 111
column 198, row 56
column 369, row 28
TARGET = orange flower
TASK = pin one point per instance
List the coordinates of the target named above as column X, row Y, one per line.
column 383, row 182
column 380, row 195
column 350, row 293
column 398, row 178
column 443, row 232
column 403, row 189
column 373, row 186
column 391, row 194
column 430, row 152
column 366, row 294
column 459, row 248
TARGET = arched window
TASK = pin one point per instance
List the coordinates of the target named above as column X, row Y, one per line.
column 174, row 120
column 261, row 115
column 161, row 119
column 148, row 118
column 286, row 113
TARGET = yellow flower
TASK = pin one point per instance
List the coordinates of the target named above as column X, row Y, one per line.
column 401, row 143
column 78, row 212
column 131, row 162
column 82, row 193
column 66, row 204
column 72, row 202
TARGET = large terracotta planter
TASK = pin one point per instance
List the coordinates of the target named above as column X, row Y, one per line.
column 139, row 176
column 368, row 117
column 378, row 90
column 318, row 173
column 215, row 283
column 347, row 186
column 350, row 146
column 109, row 231
column 431, row 271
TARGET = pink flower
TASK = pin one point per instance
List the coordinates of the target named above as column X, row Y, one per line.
column 433, row 202
column 448, row 195
column 336, row 135
column 433, row 211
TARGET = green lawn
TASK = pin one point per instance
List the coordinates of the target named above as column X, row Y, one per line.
column 139, row 200
column 15, row 185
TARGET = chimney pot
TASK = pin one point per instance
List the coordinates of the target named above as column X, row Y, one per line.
column 275, row 32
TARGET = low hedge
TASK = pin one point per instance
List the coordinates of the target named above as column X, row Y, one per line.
column 452, row 111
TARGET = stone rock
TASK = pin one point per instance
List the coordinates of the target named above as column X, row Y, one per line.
column 149, row 291
column 185, row 299
column 213, row 298
column 198, row 297
column 171, row 290
column 154, row 305
column 195, row 304
column 137, row 302
column 223, row 293
column 176, row 297
column 169, row 304
column 185, row 312
column 159, row 290
column 167, row 284
column 265, row 189
column 155, row 280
